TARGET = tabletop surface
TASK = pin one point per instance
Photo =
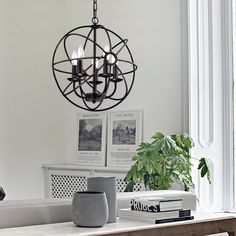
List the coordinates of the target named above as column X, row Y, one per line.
column 69, row 229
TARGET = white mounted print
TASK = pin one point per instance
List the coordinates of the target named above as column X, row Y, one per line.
column 124, row 136
column 91, row 139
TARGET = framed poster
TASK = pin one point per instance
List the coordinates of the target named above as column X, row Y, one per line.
column 124, row 136
column 91, row 139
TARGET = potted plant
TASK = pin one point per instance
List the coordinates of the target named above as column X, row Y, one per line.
column 164, row 161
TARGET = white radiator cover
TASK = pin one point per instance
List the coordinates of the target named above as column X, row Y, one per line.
column 62, row 181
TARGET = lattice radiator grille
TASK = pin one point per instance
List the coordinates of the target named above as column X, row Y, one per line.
column 121, row 185
column 64, row 186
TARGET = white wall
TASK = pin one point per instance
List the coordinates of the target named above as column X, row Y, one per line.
column 37, row 125
column 30, row 123
column 154, row 31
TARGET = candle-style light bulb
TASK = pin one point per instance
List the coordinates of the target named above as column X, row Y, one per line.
column 105, row 66
column 80, row 55
column 74, row 56
column 74, row 62
column 80, row 52
column 97, row 63
column 115, row 70
column 106, row 49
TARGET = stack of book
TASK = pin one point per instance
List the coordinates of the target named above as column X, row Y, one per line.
column 156, row 210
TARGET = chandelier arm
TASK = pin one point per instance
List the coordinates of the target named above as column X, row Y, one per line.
column 103, row 97
column 114, row 91
column 85, row 81
column 126, row 87
column 83, row 98
column 83, row 95
column 106, row 87
column 92, row 108
column 122, row 74
column 84, row 102
column 89, row 83
column 76, row 93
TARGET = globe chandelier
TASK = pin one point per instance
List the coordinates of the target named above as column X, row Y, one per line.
column 93, row 66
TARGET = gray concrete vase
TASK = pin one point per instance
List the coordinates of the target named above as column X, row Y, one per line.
column 107, row 185
column 89, row 209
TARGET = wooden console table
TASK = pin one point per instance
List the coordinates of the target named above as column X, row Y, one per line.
column 203, row 224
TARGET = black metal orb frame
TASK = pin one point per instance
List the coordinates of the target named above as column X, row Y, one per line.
column 86, row 84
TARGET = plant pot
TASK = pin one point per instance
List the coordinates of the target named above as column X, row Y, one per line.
column 107, row 185
column 89, row 209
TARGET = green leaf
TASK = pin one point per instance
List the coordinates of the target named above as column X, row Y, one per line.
column 201, row 163
column 203, row 166
column 149, row 167
column 187, row 141
column 129, row 175
column 203, row 171
column 158, row 135
column 140, row 165
column 209, row 176
column 129, row 187
column 135, row 158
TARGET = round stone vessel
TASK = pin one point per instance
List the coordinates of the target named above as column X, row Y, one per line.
column 89, row 209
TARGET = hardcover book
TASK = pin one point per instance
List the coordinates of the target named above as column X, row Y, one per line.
column 152, row 221
column 156, row 204
column 152, row 215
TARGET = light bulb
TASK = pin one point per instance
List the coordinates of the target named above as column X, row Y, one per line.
column 74, row 56
column 96, row 63
column 80, row 52
column 106, row 49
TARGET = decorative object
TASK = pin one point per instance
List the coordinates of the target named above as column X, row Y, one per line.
column 164, row 161
column 91, row 139
column 124, row 136
column 2, row 194
column 89, row 209
column 100, row 74
column 107, row 185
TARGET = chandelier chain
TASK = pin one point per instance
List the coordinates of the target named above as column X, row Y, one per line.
column 95, row 8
